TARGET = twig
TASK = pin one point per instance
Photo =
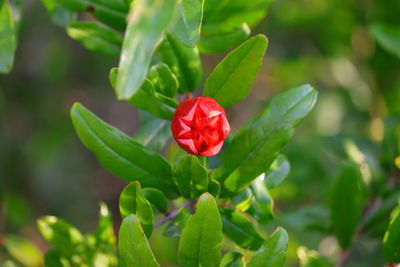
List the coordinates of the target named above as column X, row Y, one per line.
column 171, row 215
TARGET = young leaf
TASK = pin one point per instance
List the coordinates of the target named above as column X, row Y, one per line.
column 59, row 15
column 233, row 77
column 153, row 132
column 8, row 42
column 190, row 176
column 217, row 40
column 22, row 250
column 187, row 27
column 184, row 61
column 258, row 143
column 232, row 259
column 120, row 154
column 262, row 202
column 133, row 247
column 61, row 235
column 273, row 252
column 239, row 228
column 200, row 243
column 132, row 201
column 112, row 13
column 141, row 38
column 105, row 229
column 278, row 171
column 164, row 80
column 391, row 240
column 387, row 36
column 95, row 36
column 156, row 198
column 346, row 202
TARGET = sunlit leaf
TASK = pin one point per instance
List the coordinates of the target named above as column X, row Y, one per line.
column 8, row 39
column 391, row 240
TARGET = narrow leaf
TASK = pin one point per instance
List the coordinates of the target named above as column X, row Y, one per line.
column 187, row 27
column 141, row 38
column 277, row 172
column 132, row 201
column 346, row 202
column 387, row 36
column 233, row 259
column 391, row 240
column 200, row 243
column 8, row 42
column 262, row 201
column 240, row 230
column 258, row 143
column 95, row 36
column 133, row 247
column 22, row 250
column 273, row 252
column 120, row 154
column 233, row 77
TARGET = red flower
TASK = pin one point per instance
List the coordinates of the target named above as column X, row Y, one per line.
column 199, row 126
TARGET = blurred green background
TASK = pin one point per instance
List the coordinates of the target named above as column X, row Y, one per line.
column 44, row 169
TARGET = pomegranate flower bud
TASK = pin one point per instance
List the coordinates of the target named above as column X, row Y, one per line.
column 199, row 126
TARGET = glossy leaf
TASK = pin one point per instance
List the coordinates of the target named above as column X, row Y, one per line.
column 258, row 143
column 141, row 38
column 8, row 39
column 217, row 40
column 105, row 229
column 200, row 243
column 232, row 259
column 239, row 229
column 262, row 201
column 184, row 61
column 243, row 200
column 346, row 202
column 156, row 198
column 164, row 80
column 95, row 36
column 112, row 13
column 58, row 14
column 387, row 36
column 133, row 248
column 61, row 235
column 233, row 77
column 120, row 154
column 132, row 201
column 175, row 227
column 277, row 172
column 391, row 240
column 190, row 176
column 22, row 250
column 187, row 27
column 273, row 252
column 153, row 132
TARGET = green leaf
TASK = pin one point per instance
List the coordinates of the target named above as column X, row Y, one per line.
column 190, row 176
column 8, row 39
column 94, row 36
column 387, row 36
column 200, row 243
column 58, row 14
column 262, row 201
column 243, row 200
column 311, row 258
column 187, row 27
column 164, row 80
column 132, row 201
column 156, row 198
column 22, row 250
column 120, row 154
column 153, row 132
column 175, row 227
column 61, row 235
column 133, row 247
column 273, row 252
column 112, row 13
column 346, row 202
column 217, row 40
column 184, row 61
column 277, row 172
column 233, row 77
column 53, row 259
column 232, row 259
column 240, row 230
column 391, row 240
column 258, row 143
column 141, row 38
column 105, row 229
column 214, row 188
